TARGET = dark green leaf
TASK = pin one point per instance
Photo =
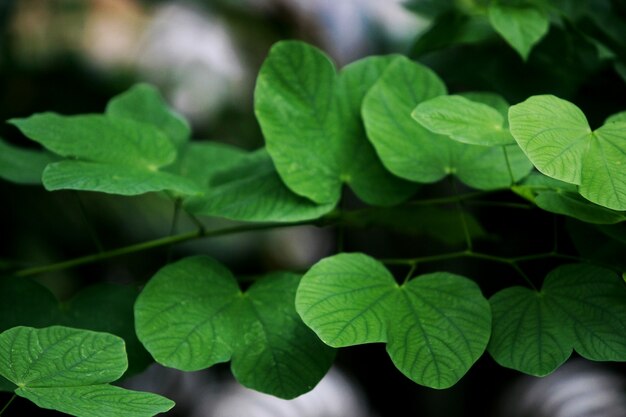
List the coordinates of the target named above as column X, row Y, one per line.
column 192, row 315
column 522, row 27
column 435, row 326
column 22, row 166
column 580, row 307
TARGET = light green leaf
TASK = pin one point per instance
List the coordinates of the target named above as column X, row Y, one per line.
column 410, row 151
column 22, row 166
column 252, row 190
column 109, row 178
column 192, row 315
column 557, row 139
column 490, row 99
column 520, row 26
column 107, row 154
column 144, row 103
column 69, row 370
column 199, row 161
column 463, row 120
column 580, row 307
column 617, row 117
column 435, row 326
column 310, row 118
column 97, row 401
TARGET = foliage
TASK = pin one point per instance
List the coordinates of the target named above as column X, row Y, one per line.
column 386, row 129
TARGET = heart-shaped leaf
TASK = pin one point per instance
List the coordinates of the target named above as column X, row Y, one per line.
column 556, row 137
column 310, row 118
column 252, row 190
column 520, row 26
column 435, row 326
column 106, row 154
column 410, row 151
column 144, row 103
column 580, row 307
column 69, row 370
column 102, row 307
column 463, row 120
column 192, row 315
column 22, row 166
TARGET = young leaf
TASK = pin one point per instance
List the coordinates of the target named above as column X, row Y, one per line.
column 22, row 166
column 192, row 315
column 69, row 370
column 435, row 326
column 252, row 190
column 463, row 120
column 410, row 151
column 114, row 155
column 580, row 307
column 144, row 103
column 556, row 137
column 521, row 27
column 310, row 118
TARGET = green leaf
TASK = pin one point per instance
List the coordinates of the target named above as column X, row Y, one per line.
column 144, row 103
column 580, row 307
column 521, row 27
column 410, row 151
column 102, row 307
column 252, row 190
column 22, row 166
column 435, row 326
column 199, row 161
column 113, row 155
column 556, row 137
column 463, row 120
column 108, row 178
column 192, row 315
column 617, row 117
column 310, row 117
column 97, row 401
column 69, row 370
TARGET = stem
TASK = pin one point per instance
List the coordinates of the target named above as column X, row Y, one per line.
column 8, row 404
column 508, row 165
column 151, row 244
column 410, row 273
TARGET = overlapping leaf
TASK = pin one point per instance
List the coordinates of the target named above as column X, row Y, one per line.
column 69, row 370
column 463, row 120
column 556, row 137
column 192, row 315
column 122, row 152
column 102, row 307
column 144, row 103
column 562, row 198
column 580, row 307
column 22, row 166
column 435, row 326
column 410, row 151
column 310, row 117
column 521, row 26
column 250, row 189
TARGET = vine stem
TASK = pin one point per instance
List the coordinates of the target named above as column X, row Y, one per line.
column 156, row 243
column 459, row 208
column 8, row 404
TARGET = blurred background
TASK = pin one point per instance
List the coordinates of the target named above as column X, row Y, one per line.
column 72, row 56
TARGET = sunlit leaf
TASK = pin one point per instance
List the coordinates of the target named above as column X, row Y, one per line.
column 580, row 307
column 192, row 315
column 463, row 120
column 556, row 137
column 435, row 326
column 411, row 151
